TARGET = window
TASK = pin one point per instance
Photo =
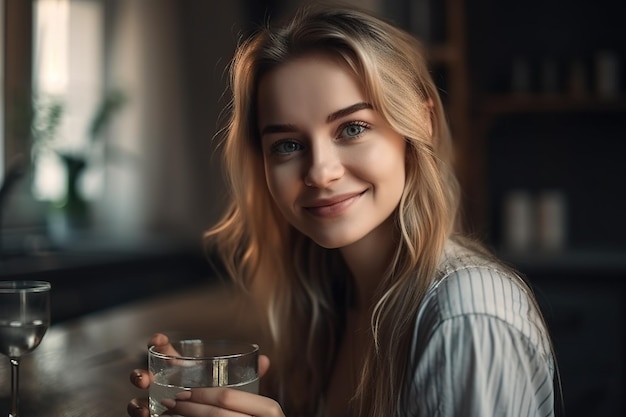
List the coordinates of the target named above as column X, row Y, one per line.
column 68, row 77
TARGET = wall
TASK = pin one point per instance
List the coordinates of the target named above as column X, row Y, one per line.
column 169, row 58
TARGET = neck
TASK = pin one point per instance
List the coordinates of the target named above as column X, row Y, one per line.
column 368, row 261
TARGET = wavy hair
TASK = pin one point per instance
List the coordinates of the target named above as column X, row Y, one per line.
column 305, row 287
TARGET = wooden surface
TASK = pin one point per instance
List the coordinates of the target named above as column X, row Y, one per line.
column 82, row 367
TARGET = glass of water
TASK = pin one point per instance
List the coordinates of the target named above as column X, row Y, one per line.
column 24, row 319
column 193, row 363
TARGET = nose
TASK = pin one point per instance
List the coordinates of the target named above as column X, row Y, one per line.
column 325, row 165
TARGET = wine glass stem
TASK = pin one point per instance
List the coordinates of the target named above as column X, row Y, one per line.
column 15, row 382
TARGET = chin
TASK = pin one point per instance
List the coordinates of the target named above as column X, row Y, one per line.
column 333, row 242
column 328, row 245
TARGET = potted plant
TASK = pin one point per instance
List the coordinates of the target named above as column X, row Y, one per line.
column 71, row 211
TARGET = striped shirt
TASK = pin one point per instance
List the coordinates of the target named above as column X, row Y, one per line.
column 479, row 346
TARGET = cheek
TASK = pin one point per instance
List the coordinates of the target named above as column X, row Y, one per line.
column 384, row 163
column 282, row 183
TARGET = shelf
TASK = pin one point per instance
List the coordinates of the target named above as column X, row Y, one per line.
column 610, row 261
column 528, row 103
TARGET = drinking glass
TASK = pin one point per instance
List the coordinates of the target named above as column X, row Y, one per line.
column 24, row 319
column 193, row 363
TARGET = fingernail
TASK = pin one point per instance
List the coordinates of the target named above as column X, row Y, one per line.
column 137, row 375
column 183, row 395
column 168, row 403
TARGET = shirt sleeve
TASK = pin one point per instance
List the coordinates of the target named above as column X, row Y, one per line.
column 477, row 365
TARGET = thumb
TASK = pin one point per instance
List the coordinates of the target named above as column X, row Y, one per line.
column 264, row 365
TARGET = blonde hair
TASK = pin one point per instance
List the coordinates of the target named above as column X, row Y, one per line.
column 307, row 287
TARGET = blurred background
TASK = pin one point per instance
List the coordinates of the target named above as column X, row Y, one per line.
column 110, row 113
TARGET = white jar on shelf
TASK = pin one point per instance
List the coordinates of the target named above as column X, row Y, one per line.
column 519, row 221
column 551, row 220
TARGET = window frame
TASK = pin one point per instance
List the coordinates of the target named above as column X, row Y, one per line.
column 17, row 68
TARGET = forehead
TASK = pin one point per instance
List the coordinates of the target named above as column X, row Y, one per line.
column 311, row 86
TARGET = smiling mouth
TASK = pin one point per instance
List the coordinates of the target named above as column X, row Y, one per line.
column 333, row 207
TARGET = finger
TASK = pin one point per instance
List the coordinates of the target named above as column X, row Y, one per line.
column 238, row 402
column 140, row 378
column 264, row 365
column 162, row 344
column 138, row 407
column 158, row 339
column 190, row 409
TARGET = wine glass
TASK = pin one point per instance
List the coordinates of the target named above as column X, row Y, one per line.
column 24, row 319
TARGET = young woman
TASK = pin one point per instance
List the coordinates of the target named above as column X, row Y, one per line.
column 343, row 220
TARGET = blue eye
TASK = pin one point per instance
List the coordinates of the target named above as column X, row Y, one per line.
column 353, row 130
column 285, row 147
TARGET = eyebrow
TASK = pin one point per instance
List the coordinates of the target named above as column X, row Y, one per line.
column 287, row 128
column 348, row 110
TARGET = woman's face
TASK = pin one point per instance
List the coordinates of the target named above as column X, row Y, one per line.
column 334, row 167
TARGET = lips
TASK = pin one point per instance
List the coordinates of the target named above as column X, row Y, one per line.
column 334, row 206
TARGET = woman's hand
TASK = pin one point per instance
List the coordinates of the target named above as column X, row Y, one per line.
column 204, row 401
column 138, row 407
column 223, row 402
